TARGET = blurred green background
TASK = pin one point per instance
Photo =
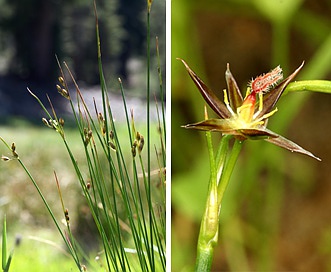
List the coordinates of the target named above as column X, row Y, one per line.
column 275, row 215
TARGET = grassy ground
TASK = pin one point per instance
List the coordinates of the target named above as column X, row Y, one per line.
column 39, row 250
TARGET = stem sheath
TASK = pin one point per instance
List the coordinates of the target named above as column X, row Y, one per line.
column 221, row 170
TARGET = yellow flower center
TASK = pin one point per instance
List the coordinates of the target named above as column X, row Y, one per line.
column 245, row 116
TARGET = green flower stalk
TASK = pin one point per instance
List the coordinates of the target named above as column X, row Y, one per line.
column 240, row 118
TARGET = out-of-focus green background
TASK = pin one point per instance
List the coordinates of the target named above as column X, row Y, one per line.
column 275, row 215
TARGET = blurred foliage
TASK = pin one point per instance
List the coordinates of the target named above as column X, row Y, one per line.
column 273, row 215
column 32, row 32
column 31, row 28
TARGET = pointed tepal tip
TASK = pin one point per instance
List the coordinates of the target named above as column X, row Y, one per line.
column 187, row 67
column 227, row 69
column 228, row 72
column 313, row 156
column 180, row 60
column 308, row 153
column 298, row 69
column 186, row 126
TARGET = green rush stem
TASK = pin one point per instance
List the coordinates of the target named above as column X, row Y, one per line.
column 221, row 155
column 204, row 258
column 322, row 86
column 228, row 169
column 209, row 225
column 148, row 140
column 4, row 244
column 208, row 235
column 161, row 88
column 213, row 172
column 221, row 169
column 148, row 94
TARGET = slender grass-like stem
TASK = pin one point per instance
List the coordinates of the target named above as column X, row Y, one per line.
column 220, row 169
column 228, row 169
column 209, row 226
column 4, row 244
column 5, row 261
column 321, row 86
column 222, row 154
column 150, row 252
column 161, row 87
column 204, row 258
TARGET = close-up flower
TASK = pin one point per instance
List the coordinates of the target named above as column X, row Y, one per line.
column 247, row 117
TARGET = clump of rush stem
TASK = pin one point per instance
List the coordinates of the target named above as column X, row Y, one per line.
column 121, row 176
